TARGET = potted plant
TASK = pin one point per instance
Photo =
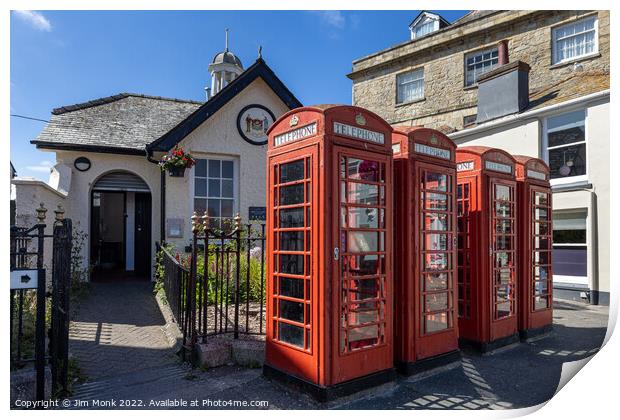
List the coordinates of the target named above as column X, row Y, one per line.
column 176, row 162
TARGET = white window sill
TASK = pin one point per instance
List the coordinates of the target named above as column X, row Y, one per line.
column 578, row 179
column 571, row 280
column 575, row 60
column 415, row 101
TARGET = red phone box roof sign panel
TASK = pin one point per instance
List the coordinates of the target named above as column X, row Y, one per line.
column 482, row 158
column 422, row 141
column 531, row 168
column 348, row 125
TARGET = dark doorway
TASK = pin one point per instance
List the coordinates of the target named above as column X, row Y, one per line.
column 120, row 230
column 107, row 231
column 142, row 248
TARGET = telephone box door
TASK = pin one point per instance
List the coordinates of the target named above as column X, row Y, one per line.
column 435, row 292
column 292, row 248
column 362, row 288
column 502, row 254
column 539, row 297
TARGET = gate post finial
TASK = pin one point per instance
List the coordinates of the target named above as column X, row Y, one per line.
column 195, row 222
column 59, row 215
column 41, row 211
column 205, row 220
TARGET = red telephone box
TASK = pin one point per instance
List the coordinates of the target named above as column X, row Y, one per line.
column 329, row 266
column 487, row 256
column 426, row 327
column 535, row 246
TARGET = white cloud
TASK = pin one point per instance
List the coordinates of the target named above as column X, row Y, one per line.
column 35, row 19
column 43, row 166
column 333, row 18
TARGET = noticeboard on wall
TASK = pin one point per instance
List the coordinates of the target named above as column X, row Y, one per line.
column 257, row 213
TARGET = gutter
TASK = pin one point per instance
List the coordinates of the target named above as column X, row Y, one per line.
column 162, row 197
column 528, row 114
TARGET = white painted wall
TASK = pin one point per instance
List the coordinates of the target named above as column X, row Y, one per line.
column 77, row 203
column 525, row 137
column 218, row 137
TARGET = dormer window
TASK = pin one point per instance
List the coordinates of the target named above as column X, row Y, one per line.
column 426, row 23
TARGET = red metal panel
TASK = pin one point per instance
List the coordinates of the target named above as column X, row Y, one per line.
column 535, row 244
column 425, row 234
column 341, row 322
column 491, row 225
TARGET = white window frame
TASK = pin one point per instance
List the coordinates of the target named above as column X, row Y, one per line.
column 236, row 180
column 425, row 18
column 580, row 280
column 399, row 84
column 545, row 147
column 554, row 41
column 473, row 54
column 424, row 22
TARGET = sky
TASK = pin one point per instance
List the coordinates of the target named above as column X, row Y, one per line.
column 66, row 57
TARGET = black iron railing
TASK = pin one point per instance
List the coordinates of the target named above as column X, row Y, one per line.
column 220, row 287
column 30, row 301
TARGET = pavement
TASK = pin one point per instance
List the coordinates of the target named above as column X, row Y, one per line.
column 141, row 369
column 117, row 329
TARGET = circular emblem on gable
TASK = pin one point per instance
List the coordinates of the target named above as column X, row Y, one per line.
column 359, row 118
column 294, row 121
column 434, row 139
column 253, row 122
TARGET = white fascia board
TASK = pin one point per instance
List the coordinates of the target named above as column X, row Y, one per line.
column 529, row 114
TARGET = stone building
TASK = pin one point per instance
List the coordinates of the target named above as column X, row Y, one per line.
column 443, row 64
column 532, row 83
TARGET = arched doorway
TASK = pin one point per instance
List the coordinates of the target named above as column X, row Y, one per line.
column 120, row 227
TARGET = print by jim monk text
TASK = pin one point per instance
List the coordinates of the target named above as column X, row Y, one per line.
column 136, row 403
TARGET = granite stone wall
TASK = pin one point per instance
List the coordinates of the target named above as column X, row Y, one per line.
column 446, row 98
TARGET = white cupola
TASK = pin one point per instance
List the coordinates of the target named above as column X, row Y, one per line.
column 225, row 68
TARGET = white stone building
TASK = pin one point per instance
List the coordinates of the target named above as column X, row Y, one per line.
column 107, row 176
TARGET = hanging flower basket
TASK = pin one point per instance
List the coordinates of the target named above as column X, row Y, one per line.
column 176, row 162
column 177, row 171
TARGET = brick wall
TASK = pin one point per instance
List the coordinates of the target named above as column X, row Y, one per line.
column 442, row 55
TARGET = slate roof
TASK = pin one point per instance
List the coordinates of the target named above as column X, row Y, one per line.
column 473, row 15
column 131, row 123
column 122, row 123
column 576, row 85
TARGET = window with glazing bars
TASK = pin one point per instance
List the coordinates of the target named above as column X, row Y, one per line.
column 291, row 238
column 575, row 40
column 437, row 299
column 503, row 250
column 214, row 189
column 478, row 63
column 463, row 204
column 541, row 250
column 362, row 253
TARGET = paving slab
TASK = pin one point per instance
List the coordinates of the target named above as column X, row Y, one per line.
column 520, row 376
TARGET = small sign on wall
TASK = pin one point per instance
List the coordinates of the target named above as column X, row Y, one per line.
column 174, row 228
column 258, row 213
column 24, row 279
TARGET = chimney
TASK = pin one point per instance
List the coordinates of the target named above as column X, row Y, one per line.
column 503, row 91
column 502, row 52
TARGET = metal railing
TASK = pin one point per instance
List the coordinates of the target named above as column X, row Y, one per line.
column 35, row 337
column 220, row 287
